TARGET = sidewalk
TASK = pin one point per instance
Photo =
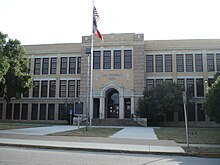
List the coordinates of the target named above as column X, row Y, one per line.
column 123, row 141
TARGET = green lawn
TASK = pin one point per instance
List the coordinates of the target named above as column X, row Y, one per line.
column 6, row 125
column 196, row 135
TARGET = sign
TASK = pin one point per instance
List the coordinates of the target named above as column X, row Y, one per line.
column 184, row 97
column 78, row 108
column 70, row 111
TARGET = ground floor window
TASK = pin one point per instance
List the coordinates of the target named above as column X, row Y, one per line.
column 1, row 110
column 16, row 111
column 34, row 112
column 9, row 111
column 43, row 109
column 51, row 111
column 24, row 112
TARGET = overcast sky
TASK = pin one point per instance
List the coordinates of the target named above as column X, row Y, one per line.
column 65, row 21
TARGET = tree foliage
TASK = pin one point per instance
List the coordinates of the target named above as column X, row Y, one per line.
column 212, row 102
column 159, row 100
column 14, row 68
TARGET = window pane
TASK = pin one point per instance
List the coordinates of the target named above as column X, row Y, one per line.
column 43, row 111
column 37, row 64
column 199, row 63
column 218, row 61
column 190, row 87
column 9, row 111
column 51, row 110
column 16, row 111
column 127, row 59
column 63, row 66
column 159, row 63
column 78, row 88
column 71, row 88
column 1, row 110
column 24, row 112
column 179, row 63
column 168, row 63
column 61, row 112
column 149, row 63
column 159, row 81
column 150, row 84
column 52, row 91
column 181, row 84
column 210, row 63
column 72, row 65
column 201, row 113
column 44, row 85
column 117, row 59
column 36, row 85
column 191, row 116
column 200, row 87
column 96, row 59
column 53, row 66
column 62, row 88
column 189, row 62
column 107, row 59
column 34, row 112
column 79, row 65
column 45, row 65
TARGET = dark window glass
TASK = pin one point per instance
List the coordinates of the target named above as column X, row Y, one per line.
column 71, row 88
column 44, row 86
column 96, row 59
column 34, row 112
column 52, row 90
column 169, row 81
column 53, row 65
column 78, row 88
column 159, row 81
column 199, row 63
column 190, row 87
column 79, row 65
column 181, row 115
column 107, row 59
column 63, row 66
column 26, row 93
column 191, row 116
column 37, row 64
column 24, row 112
column 9, row 111
column 36, row 85
column 218, row 61
column 181, row 84
column 149, row 63
column 61, row 113
column 62, row 88
column 1, row 110
column 159, row 63
column 127, row 59
column 150, row 84
column 210, row 81
column 117, row 59
column 179, row 63
column 72, row 65
column 201, row 113
column 43, row 111
column 210, row 63
column 189, row 62
column 16, row 111
column 199, row 87
column 70, row 107
column 45, row 67
column 168, row 63
column 51, row 111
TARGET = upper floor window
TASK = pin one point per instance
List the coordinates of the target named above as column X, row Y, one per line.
column 62, row 88
column 168, row 63
column 78, row 65
column 190, row 86
column 150, row 84
column 218, row 61
column 200, row 87
column 78, row 88
column 159, row 81
column 189, row 62
column 149, row 63
column 44, row 86
column 37, row 65
column 36, row 85
column 52, row 91
column 210, row 63
column 117, row 59
column 181, row 84
column 107, row 59
column 45, row 66
column 127, row 59
column 179, row 63
column 159, row 63
column 63, row 65
column 53, row 65
column 199, row 62
column 96, row 59
column 71, row 88
column 72, row 65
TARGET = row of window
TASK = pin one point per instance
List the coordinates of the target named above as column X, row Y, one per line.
column 117, row 59
column 67, row 88
column 184, row 62
column 189, row 85
column 70, row 65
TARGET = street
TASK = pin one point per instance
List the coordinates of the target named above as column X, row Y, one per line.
column 25, row 156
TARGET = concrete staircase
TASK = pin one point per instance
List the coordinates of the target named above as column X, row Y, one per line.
column 114, row 122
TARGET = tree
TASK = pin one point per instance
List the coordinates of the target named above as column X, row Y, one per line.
column 212, row 100
column 159, row 100
column 15, row 78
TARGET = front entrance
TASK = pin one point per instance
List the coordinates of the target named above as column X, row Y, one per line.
column 112, row 103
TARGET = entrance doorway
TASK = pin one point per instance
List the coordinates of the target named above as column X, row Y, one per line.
column 112, row 103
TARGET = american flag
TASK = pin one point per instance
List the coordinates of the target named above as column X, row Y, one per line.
column 95, row 14
column 95, row 20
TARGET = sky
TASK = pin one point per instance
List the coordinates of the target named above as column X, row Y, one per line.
column 66, row 21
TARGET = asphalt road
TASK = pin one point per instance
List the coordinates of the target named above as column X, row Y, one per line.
column 24, row 156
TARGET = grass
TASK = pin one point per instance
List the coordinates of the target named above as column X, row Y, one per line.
column 196, row 135
column 91, row 132
column 7, row 126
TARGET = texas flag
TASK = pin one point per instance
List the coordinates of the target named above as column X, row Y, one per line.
column 95, row 20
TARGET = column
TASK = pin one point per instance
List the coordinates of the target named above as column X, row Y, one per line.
column 101, row 107
column 121, row 107
column 132, row 104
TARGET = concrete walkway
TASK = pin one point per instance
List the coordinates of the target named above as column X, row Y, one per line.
column 130, row 139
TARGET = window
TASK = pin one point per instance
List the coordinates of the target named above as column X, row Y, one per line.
column 61, row 112
column 179, row 63
column 199, row 87
column 107, row 59
column 149, row 63
column 52, row 90
column 1, row 110
column 53, row 65
column 36, row 88
column 96, row 59
column 37, row 64
column 24, row 112
column 44, row 86
column 63, row 66
column 26, row 93
column 191, row 112
column 9, row 111
column 117, row 59
column 168, row 63
column 51, row 110
column 16, row 111
column 210, row 63
column 72, row 65
column 78, row 65
column 181, row 84
column 169, row 81
column 150, row 84
column 71, row 88
column 159, row 81
column 34, row 112
column 78, row 88
column 189, row 63
column 62, row 88
column 210, row 81
column 190, row 87
column 218, row 61
column 159, row 63
column 127, row 59
column 201, row 112
column 45, row 66
column 199, row 63
column 43, row 108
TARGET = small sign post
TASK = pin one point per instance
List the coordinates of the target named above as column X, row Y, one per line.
column 78, row 111
column 185, row 114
